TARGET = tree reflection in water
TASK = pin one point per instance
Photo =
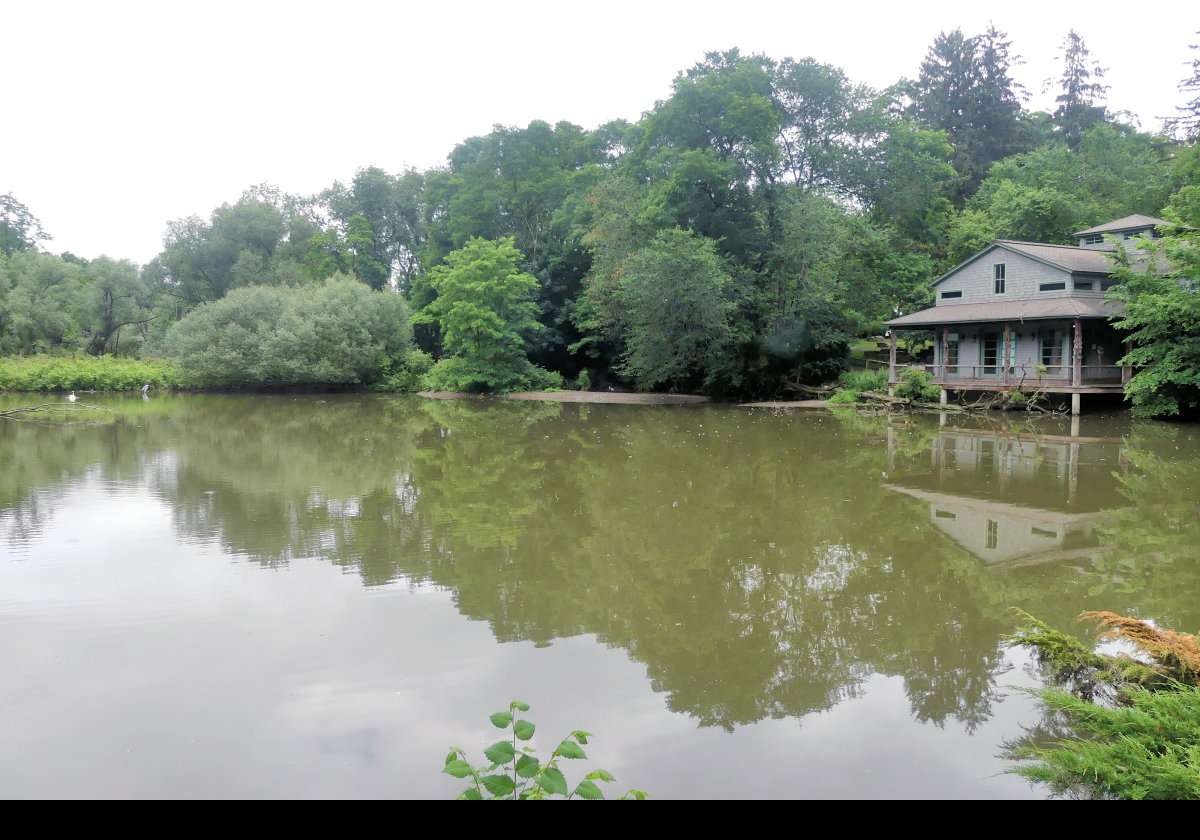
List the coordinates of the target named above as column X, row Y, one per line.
column 755, row 563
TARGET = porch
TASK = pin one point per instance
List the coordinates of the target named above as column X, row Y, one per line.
column 1053, row 356
column 1026, row 377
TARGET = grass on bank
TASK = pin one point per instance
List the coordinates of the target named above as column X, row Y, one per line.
column 84, row 373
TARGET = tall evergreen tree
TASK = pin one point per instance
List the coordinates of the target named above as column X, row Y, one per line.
column 1187, row 123
column 1080, row 101
column 964, row 89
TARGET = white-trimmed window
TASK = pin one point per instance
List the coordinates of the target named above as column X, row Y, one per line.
column 998, row 279
column 957, row 293
column 1094, row 239
column 1055, row 286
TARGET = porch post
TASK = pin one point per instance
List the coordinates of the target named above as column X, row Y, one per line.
column 892, row 362
column 1007, row 350
column 945, row 353
column 1077, row 355
column 1127, row 370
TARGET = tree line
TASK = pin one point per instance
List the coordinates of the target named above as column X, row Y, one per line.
column 746, row 229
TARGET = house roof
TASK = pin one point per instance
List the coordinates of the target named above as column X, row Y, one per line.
column 1010, row 310
column 1137, row 220
column 1069, row 257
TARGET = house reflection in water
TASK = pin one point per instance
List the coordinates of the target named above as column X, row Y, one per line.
column 1011, row 499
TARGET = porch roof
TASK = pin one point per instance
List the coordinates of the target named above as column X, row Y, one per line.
column 1014, row 310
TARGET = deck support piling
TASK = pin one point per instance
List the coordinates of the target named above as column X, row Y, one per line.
column 1076, row 399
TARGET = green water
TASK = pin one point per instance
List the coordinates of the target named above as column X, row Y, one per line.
column 225, row 596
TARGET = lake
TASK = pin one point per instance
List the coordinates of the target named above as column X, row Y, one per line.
column 316, row 596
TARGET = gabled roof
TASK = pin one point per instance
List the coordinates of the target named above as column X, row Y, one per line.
column 1011, row 310
column 1064, row 257
column 1067, row 257
column 1137, row 220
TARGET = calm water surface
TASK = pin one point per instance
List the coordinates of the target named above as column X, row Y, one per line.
column 229, row 596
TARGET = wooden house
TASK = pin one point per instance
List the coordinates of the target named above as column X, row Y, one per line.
column 1031, row 316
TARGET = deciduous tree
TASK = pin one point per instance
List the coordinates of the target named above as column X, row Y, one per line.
column 485, row 311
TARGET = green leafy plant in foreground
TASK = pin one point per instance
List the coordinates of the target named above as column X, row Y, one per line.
column 1117, row 727
column 516, row 773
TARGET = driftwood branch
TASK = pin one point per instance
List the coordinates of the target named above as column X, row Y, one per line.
column 53, row 408
column 809, row 390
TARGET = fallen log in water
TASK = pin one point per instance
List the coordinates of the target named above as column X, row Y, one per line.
column 53, row 408
column 809, row 390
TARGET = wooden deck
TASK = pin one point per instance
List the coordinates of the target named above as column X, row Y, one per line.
column 1086, row 379
column 1049, row 386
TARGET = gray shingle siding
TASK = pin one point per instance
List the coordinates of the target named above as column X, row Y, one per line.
column 1022, row 276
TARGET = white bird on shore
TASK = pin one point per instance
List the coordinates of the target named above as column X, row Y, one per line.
column 72, row 397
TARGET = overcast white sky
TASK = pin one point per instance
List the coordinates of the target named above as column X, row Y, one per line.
column 121, row 116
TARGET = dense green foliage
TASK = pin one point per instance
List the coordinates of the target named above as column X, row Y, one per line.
column 852, row 383
column 1146, row 749
column 337, row 333
column 84, row 373
column 917, row 385
column 515, row 772
column 740, row 235
column 484, row 310
column 1122, row 726
column 1162, row 311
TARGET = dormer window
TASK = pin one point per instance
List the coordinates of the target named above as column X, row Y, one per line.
column 998, row 279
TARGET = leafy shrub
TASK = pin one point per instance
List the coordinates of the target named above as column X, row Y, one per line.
column 864, row 380
column 521, row 775
column 340, row 332
column 855, row 382
column 84, row 373
column 844, row 398
column 460, row 373
column 405, row 372
column 917, row 385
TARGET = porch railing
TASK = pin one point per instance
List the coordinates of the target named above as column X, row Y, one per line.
column 1029, row 373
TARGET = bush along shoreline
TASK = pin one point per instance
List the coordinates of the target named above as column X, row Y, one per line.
column 85, row 373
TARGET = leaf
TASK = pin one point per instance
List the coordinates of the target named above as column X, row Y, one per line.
column 458, row 769
column 471, row 793
column 569, row 749
column 498, row 785
column 581, row 736
column 500, row 752
column 588, row 790
column 523, row 729
column 452, row 756
column 500, row 720
column 634, row 793
column 602, row 775
column 527, row 767
column 554, row 781
column 519, row 706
